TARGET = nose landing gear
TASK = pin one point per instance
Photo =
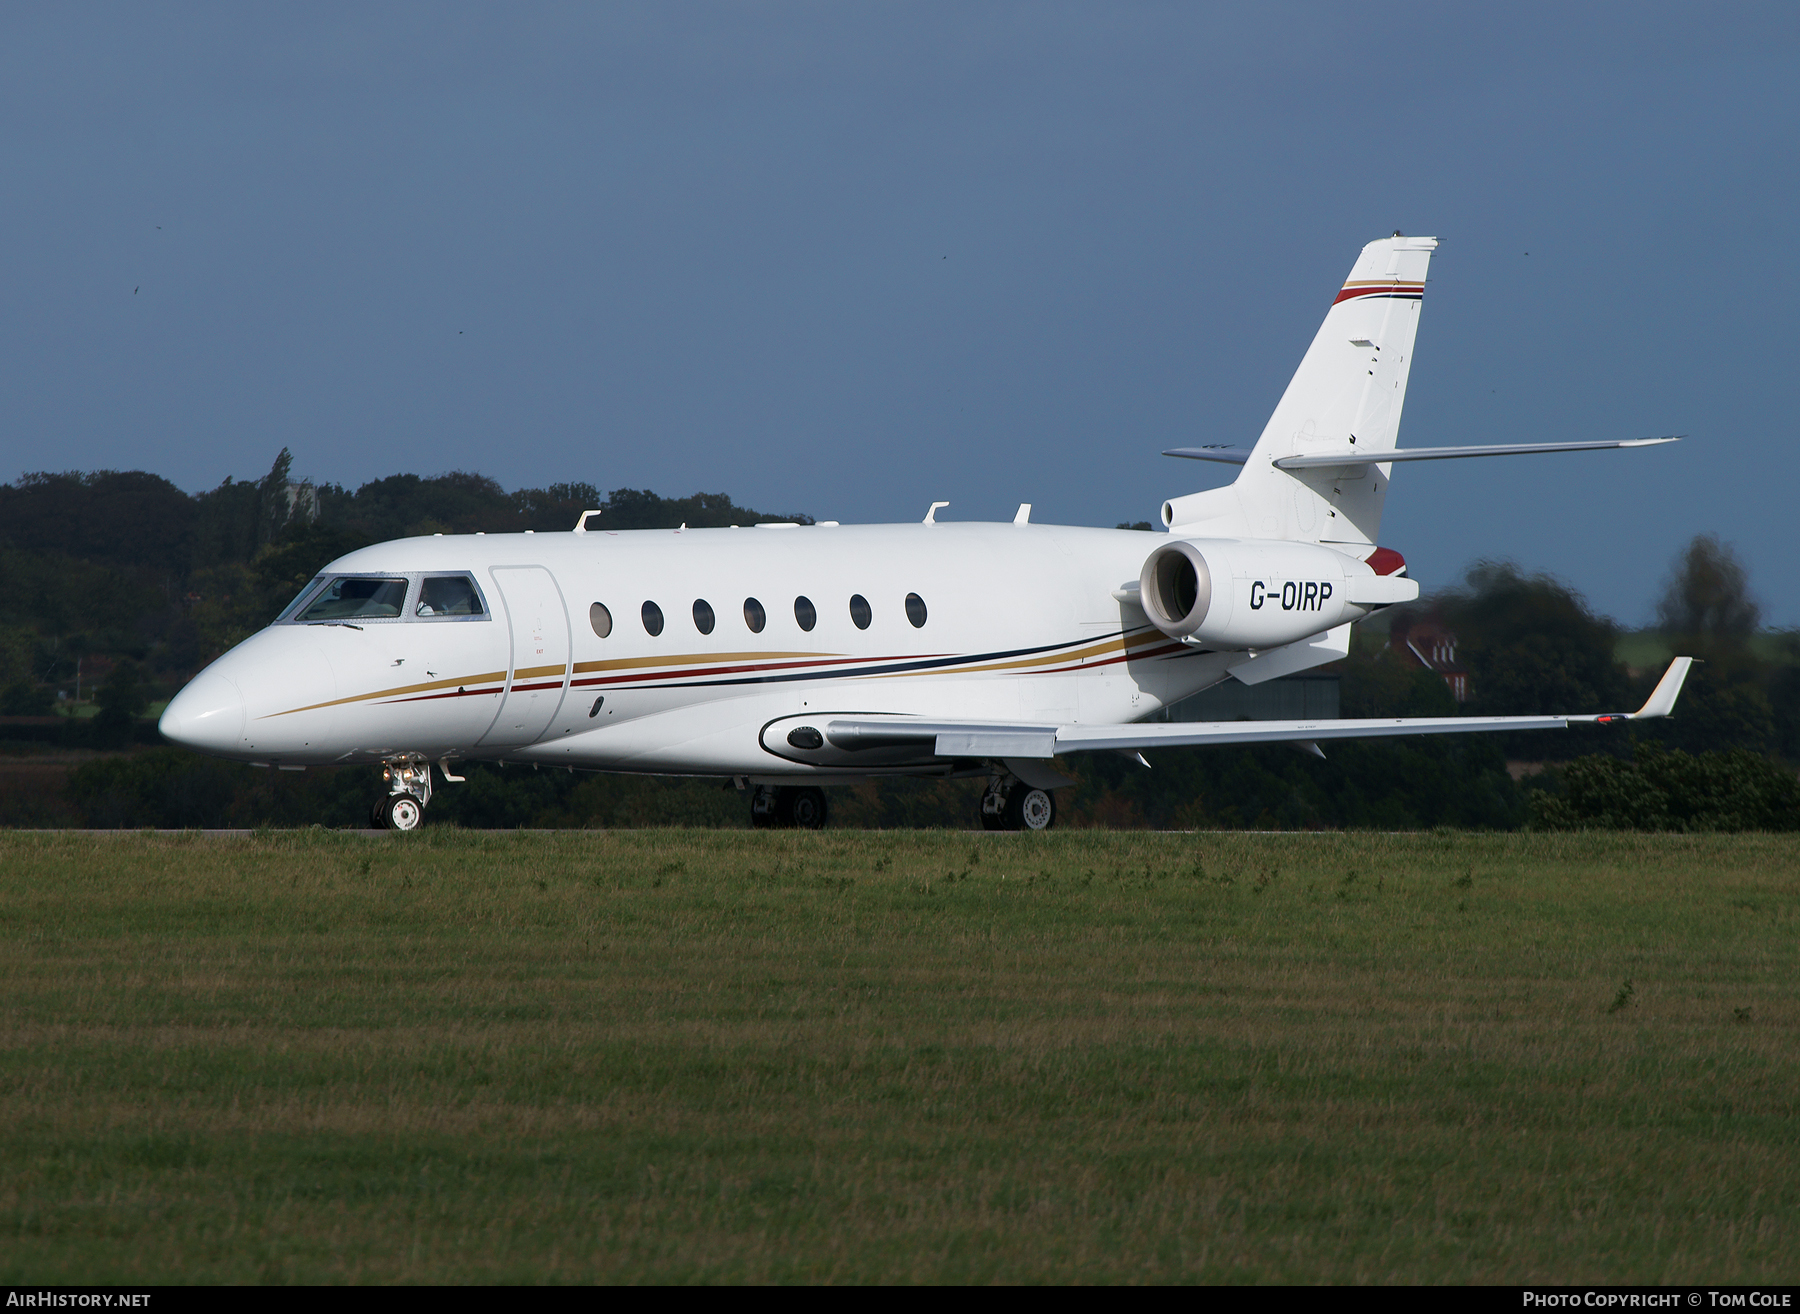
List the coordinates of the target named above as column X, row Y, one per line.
column 408, row 780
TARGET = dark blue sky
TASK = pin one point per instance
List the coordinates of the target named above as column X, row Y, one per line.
column 849, row 259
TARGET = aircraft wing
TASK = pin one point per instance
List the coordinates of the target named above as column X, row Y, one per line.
column 1005, row 740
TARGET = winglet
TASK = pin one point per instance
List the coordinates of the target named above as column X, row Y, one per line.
column 1662, row 701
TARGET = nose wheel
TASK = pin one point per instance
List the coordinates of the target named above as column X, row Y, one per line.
column 409, row 791
column 402, row 812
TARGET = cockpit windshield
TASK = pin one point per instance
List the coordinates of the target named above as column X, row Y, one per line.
column 287, row 612
column 357, row 598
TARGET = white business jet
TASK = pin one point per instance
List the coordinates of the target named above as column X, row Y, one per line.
column 788, row 657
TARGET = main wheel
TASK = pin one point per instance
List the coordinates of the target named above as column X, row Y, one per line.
column 402, row 812
column 1030, row 809
column 804, row 808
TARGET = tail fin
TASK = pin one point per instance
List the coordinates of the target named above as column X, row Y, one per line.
column 1349, row 390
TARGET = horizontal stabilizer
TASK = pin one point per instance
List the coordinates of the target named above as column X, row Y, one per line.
column 1350, row 456
column 1211, row 452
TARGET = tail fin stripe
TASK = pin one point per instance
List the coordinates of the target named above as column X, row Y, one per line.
column 1402, row 291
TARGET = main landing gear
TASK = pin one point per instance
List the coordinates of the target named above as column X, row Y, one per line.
column 408, row 780
column 787, row 806
column 1010, row 804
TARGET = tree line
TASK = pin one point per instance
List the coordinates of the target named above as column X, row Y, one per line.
column 127, row 572
column 124, row 569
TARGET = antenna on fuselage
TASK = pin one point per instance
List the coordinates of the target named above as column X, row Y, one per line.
column 581, row 524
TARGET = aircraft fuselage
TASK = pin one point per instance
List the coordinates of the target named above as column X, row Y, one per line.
column 1016, row 622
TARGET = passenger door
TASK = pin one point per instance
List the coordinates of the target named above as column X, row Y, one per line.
column 539, row 671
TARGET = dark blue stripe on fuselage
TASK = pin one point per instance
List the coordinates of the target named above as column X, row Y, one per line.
column 892, row 668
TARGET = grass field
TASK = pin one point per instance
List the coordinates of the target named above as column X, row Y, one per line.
column 928, row 1056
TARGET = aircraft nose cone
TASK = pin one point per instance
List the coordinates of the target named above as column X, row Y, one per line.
column 207, row 715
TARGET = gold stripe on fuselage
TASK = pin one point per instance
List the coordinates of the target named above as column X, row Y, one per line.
column 488, row 678
column 1079, row 655
column 1102, row 648
column 534, row 672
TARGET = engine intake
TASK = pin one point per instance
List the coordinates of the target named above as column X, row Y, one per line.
column 1176, row 588
column 1241, row 594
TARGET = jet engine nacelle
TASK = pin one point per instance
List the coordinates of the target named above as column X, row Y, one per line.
column 1234, row 594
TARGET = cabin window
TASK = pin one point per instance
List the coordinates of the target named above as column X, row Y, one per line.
column 600, row 618
column 449, row 595
column 653, row 621
column 859, row 611
column 352, row 597
column 805, row 613
column 754, row 615
column 915, row 610
column 703, row 616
